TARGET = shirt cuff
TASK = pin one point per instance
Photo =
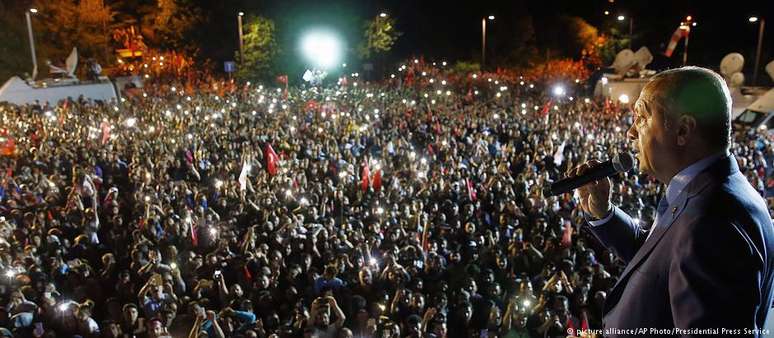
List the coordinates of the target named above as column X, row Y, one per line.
column 598, row 222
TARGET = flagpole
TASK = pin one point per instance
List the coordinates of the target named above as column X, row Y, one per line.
column 685, row 50
column 687, row 27
column 32, row 42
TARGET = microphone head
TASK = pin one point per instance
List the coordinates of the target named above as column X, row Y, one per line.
column 623, row 162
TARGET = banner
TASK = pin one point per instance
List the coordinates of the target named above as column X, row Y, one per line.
column 680, row 32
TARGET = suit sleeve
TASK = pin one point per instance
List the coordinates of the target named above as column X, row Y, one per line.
column 714, row 277
column 620, row 234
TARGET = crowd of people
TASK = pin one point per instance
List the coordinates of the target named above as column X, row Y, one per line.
column 349, row 210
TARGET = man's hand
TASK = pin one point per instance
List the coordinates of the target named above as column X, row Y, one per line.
column 595, row 196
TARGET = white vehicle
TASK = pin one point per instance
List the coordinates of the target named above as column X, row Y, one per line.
column 629, row 75
column 759, row 114
column 52, row 90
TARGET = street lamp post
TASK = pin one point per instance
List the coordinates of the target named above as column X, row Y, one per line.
column 483, row 39
column 241, row 40
column 687, row 27
column 32, row 42
column 758, row 49
column 631, row 28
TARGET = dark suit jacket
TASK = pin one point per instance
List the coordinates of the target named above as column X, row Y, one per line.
column 708, row 264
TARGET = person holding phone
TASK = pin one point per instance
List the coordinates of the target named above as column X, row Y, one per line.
column 321, row 317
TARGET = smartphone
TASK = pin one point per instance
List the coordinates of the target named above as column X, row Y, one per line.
column 216, row 274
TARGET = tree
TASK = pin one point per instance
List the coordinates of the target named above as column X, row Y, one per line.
column 64, row 24
column 516, row 38
column 169, row 24
column 260, row 48
column 95, row 18
column 13, row 43
column 462, row 68
column 610, row 44
column 379, row 37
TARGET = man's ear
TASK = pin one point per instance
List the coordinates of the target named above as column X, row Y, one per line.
column 686, row 128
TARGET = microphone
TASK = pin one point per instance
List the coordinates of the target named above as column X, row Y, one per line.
column 620, row 163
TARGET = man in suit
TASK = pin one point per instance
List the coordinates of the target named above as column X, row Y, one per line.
column 706, row 262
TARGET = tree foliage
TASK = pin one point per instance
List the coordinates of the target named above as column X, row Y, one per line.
column 378, row 37
column 610, row 44
column 13, row 43
column 64, row 24
column 169, row 24
column 463, row 68
column 517, row 41
column 260, row 47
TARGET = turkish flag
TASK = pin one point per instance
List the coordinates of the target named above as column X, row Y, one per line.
column 546, row 107
column 366, row 175
column 248, row 275
column 471, row 191
column 271, row 160
column 283, row 79
column 8, row 147
column 194, row 235
column 312, row 105
column 105, row 132
column 377, row 181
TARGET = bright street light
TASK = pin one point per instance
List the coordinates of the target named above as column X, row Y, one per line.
column 383, row 15
column 321, row 48
column 621, row 18
column 761, row 24
column 32, row 42
column 483, row 39
column 241, row 37
column 559, row 90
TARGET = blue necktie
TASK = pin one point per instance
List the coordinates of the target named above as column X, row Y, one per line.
column 663, row 205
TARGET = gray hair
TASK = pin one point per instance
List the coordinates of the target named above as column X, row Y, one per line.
column 698, row 92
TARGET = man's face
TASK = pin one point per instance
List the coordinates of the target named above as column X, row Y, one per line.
column 115, row 329
column 131, row 313
column 158, row 292
column 652, row 140
column 156, row 328
column 323, row 317
column 365, row 277
column 238, row 290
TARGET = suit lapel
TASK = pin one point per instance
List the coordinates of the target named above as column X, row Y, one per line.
column 664, row 223
column 723, row 167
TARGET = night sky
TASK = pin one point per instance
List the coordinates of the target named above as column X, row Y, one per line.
column 452, row 29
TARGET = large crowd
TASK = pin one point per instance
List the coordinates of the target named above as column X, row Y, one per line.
column 355, row 209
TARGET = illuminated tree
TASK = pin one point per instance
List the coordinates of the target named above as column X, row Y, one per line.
column 64, row 24
column 379, row 37
column 260, row 48
column 168, row 24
